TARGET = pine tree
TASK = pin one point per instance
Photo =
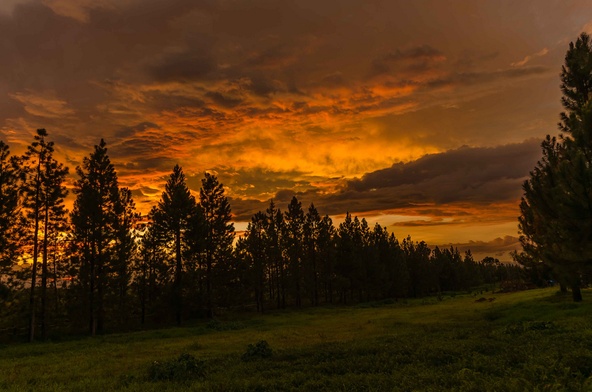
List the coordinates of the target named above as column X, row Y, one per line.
column 174, row 215
column 312, row 250
column 94, row 230
column 293, row 237
column 124, row 250
column 277, row 273
column 152, row 271
column 254, row 245
column 556, row 209
column 10, row 216
column 44, row 197
column 219, row 233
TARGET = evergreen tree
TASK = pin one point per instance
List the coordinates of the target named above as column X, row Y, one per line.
column 152, row 271
column 174, row 216
column 293, row 237
column 10, row 213
column 124, row 251
column 277, row 269
column 95, row 220
column 254, row 245
column 556, row 209
column 44, row 197
column 327, row 254
column 312, row 250
column 219, row 234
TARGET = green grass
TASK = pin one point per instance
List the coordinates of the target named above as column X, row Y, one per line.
column 529, row 341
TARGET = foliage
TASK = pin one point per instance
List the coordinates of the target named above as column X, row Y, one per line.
column 184, row 368
column 556, row 209
column 172, row 219
column 102, row 241
column 10, row 214
column 259, row 350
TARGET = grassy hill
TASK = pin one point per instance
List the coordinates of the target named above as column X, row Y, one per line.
column 532, row 340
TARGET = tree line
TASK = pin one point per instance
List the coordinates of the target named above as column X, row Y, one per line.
column 103, row 266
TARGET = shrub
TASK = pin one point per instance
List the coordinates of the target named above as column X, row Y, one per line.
column 257, row 351
column 184, row 368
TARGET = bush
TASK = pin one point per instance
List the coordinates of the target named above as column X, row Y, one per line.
column 257, row 351
column 184, row 368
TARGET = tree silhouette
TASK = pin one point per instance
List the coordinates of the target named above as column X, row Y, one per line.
column 174, row 215
column 10, row 216
column 293, row 238
column 219, row 233
column 253, row 245
column 556, row 209
column 95, row 220
column 44, row 197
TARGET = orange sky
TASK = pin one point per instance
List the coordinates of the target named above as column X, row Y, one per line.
column 425, row 116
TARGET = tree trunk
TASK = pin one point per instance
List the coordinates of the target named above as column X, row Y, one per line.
column 576, row 293
column 91, row 294
column 178, row 272
column 55, row 278
column 35, row 256
column 44, row 275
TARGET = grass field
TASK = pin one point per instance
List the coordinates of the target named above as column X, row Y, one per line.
column 534, row 340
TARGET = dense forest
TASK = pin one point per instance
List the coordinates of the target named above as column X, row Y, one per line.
column 104, row 267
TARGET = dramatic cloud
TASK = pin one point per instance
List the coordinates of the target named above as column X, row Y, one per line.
column 447, row 191
column 313, row 98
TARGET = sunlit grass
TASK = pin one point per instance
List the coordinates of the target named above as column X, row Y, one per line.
column 530, row 340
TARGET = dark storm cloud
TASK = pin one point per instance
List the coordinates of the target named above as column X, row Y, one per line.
column 465, row 174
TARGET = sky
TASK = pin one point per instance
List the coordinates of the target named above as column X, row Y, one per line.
column 425, row 116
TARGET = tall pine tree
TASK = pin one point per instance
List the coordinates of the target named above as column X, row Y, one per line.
column 96, row 220
column 44, row 192
column 556, row 209
column 174, row 216
column 219, row 234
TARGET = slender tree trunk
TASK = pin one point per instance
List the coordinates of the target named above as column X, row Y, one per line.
column 91, row 296
column 142, row 293
column 178, row 274
column 55, row 278
column 100, row 291
column 35, row 256
column 210, row 310
column 44, row 276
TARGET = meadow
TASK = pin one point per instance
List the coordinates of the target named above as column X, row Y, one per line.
column 535, row 340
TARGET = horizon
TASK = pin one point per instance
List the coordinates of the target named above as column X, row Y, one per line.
column 425, row 118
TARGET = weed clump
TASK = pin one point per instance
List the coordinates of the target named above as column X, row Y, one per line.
column 184, row 368
column 260, row 350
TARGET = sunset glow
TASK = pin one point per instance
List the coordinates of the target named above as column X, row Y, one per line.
column 424, row 116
